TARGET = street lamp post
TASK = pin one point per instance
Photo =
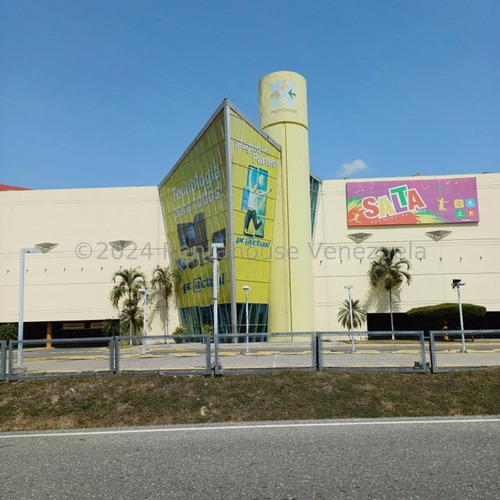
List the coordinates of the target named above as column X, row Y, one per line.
column 247, row 326
column 457, row 283
column 215, row 277
column 349, row 288
column 39, row 248
column 146, row 292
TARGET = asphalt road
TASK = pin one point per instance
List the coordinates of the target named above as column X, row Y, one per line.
column 360, row 459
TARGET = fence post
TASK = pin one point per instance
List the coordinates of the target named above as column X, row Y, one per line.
column 432, row 352
column 11, row 358
column 422, row 346
column 3, row 360
column 217, row 364
column 117, row 355
column 111, row 350
column 208, row 356
column 316, row 348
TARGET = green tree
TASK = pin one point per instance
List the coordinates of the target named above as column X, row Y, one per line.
column 163, row 284
column 358, row 314
column 390, row 271
column 126, row 294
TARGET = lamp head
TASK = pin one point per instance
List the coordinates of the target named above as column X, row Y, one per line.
column 348, row 287
column 46, row 247
column 119, row 245
column 218, row 251
column 246, row 288
column 457, row 283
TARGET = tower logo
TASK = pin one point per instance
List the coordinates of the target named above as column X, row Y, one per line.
column 283, row 94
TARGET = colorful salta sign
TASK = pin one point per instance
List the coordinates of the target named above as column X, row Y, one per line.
column 412, row 201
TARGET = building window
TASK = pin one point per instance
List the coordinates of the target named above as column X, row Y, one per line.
column 314, row 186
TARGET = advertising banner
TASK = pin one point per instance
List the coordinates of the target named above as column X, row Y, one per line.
column 195, row 204
column 255, row 163
column 412, row 201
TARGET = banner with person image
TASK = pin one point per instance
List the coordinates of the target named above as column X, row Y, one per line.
column 254, row 201
column 255, row 163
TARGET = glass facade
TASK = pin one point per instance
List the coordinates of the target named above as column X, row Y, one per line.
column 194, row 318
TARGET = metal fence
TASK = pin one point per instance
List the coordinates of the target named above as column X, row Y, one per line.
column 180, row 354
column 189, row 354
column 237, row 353
column 472, row 350
column 66, row 357
column 375, row 351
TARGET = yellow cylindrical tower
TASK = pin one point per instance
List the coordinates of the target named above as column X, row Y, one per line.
column 283, row 115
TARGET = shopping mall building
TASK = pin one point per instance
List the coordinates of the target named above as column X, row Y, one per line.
column 291, row 240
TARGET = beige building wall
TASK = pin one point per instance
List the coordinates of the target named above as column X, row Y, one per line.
column 73, row 281
column 471, row 252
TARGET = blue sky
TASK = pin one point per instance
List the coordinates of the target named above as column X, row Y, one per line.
column 110, row 93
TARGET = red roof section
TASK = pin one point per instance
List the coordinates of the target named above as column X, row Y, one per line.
column 6, row 187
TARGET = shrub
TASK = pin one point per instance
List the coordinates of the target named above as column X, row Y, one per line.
column 180, row 330
column 208, row 330
column 435, row 317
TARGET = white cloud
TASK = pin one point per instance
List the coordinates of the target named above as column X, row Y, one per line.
column 349, row 169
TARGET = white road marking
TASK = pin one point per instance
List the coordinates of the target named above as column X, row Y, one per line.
column 49, row 434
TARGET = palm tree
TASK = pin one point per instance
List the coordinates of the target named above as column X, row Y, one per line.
column 131, row 317
column 8, row 331
column 163, row 283
column 387, row 271
column 126, row 290
column 111, row 327
column 358, row 314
